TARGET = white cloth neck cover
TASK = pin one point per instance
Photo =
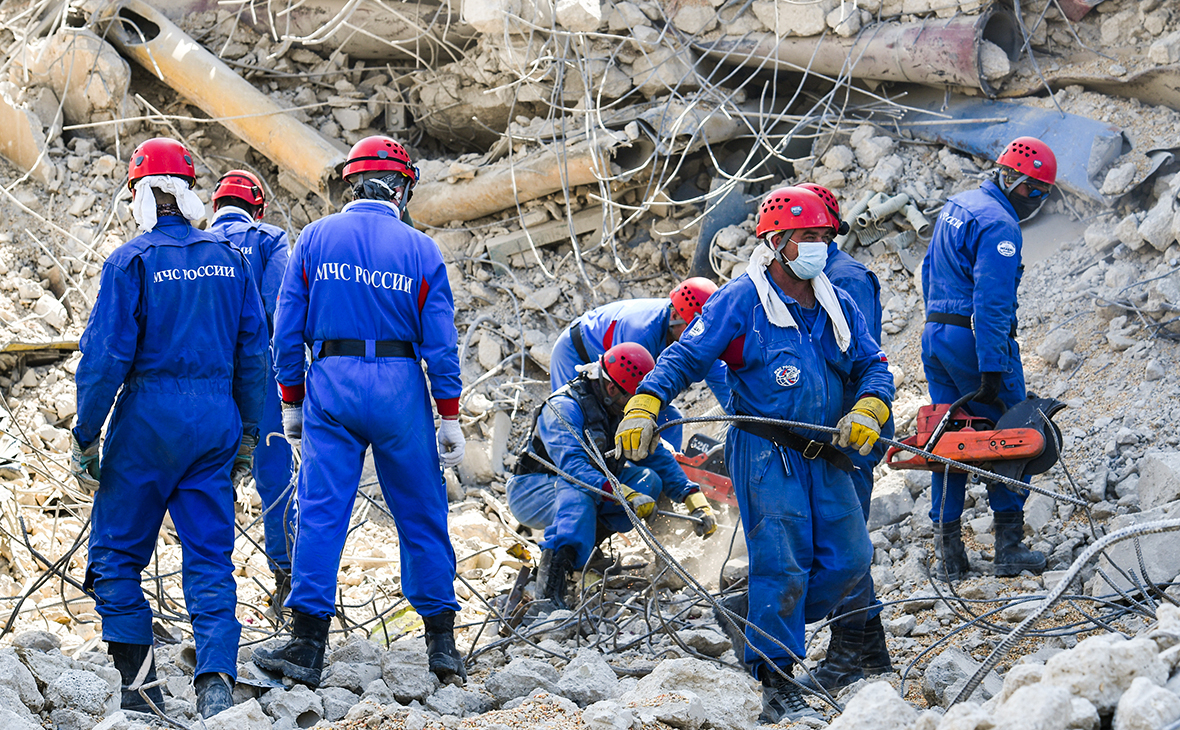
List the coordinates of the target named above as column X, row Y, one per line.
column 776, row 308
column 143, row 207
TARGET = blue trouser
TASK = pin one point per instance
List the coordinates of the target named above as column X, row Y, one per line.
column 351, row 404
column 272, row 471
column 169, row 452
column 806, row 539
column 569, row 514
column 952, row 371
column 864, row 594
column 562, row 365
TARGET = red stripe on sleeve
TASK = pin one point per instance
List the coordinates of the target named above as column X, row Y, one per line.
column 422, row 292
column 292, row 393
column 447, row 407
column 733, row 354
column 608, row 340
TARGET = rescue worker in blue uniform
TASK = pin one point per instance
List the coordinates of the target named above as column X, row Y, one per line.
column 793, row 344
column 239, row 204
column 576, row 521
column 369, row 295
column 178, row 326
column 970, row 276
column 653, row 323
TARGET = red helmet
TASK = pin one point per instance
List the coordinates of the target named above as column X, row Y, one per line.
column 1032, row 157
column 626, row 363
column 689, row 297
column 830, row 201
column 380, row 153
column 244, row 186
column 788, row 209
column 160, row 156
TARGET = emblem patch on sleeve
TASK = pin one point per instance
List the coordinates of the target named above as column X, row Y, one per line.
column 697, row 329
column 1006, row 248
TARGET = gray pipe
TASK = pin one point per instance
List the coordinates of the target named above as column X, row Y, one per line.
column 917, row 221
column 878, row 212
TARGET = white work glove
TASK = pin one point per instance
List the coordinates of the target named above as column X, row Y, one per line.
column 450, row 442
column 293, row 421
column 84, row 464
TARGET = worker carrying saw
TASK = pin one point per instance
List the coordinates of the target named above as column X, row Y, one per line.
column 793, row 344
column 653, row 323
column 576, row 520
column 970, row 276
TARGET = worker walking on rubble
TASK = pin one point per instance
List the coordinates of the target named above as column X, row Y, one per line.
column 653, row 323
column 239, row 204
column 794, row 345
column 179, row 326
column 970, row 276
column 575, row 520
column 369, row 295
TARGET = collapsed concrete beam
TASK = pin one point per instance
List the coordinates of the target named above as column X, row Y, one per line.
column 303, row 155
column 22, row 137
column 949, row 52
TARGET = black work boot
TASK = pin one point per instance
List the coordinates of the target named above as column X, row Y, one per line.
column 214, row 694
column 1012, row 557
column 874, row 655
column 301, row 658
column 554, row 570
column 128, row 659
column 841, row 667
column 738, row 603
column 445, row 662
column 783, row 700
column 948, row 546
column 282, row 590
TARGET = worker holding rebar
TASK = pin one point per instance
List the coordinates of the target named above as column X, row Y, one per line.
column 653, row 323
column 239, row 203
column 575, row 520
column 794, row 344
column 369, row 296
column 970, row 276
column 178, row 325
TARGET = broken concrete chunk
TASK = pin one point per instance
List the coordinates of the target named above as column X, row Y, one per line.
column 947, row 675
column 587, row 679
column 520, row 678
column 1055, row 343
column 729, row 701
column 1166, row 50
column 580, row 16
column 23, row 142
column 876, row 705
column 791, row 18
column 1101, row 668
column 1156, row 228
column 662, row 70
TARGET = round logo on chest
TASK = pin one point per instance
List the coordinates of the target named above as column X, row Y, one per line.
column 787, row 375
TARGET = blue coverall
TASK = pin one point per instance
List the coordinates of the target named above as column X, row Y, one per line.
column 805, row 530
column 862, row 285
column 362, row 274
column 973, row 269
column 568, row 514
column 179, row 326
column 265, row 247
column 643, row 321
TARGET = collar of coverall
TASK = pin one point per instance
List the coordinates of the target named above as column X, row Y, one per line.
column 226, row 211
column 384, row 203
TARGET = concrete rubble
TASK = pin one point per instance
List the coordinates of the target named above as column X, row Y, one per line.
column 573, row 153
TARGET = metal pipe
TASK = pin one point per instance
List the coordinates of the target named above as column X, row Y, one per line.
column 934, row 52
column 878, row 212
column 303, row 155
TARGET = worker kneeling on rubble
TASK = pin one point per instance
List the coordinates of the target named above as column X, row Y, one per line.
column 970, row 276
column 576, row 520
column 179, row 326
column 794, row 345
column 653, row 323
column 239, row 204
column 369, row 295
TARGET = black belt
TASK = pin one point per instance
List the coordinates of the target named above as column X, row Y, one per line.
column 959, row 320
column 789, row 439
column 579, row 343
column 356, row 348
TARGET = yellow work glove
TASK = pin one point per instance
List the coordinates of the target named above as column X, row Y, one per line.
column 861, row 426
column 699, row 507
column 643, row 505
column 636, row 435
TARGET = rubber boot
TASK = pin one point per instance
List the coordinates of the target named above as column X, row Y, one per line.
column 874, row 655
column 1012, row 557
column 841, row 667
column 948, row 546
column 282, row 590
column 738, row 603
column 556, row 565
column 214, row 694
column 301, row 658
column 128, row 659
column 443, row 655
column 782, row 701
